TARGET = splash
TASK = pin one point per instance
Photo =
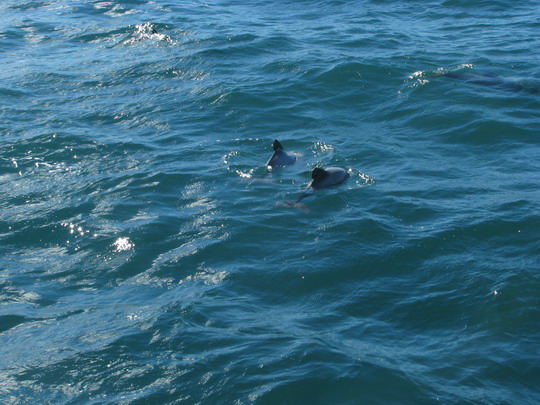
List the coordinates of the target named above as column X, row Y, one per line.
column 321, row 148
column 228, row 156
column 146, row 32
column 422, row 77
column 362, row 179
column 123, row 244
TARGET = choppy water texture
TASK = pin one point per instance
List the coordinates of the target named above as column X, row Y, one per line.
column 146, row 256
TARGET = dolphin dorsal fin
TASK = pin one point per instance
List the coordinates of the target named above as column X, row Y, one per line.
column 277, row 145
column 318, row 173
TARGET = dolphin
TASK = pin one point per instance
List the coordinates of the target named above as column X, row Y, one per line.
column 280, row 158
column 324, row 178
column 333, row 176
column 490, row 79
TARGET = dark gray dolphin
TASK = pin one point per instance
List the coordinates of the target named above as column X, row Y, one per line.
column 323, row 178
column 280, row 158
column 333, row 176
column 493, row 80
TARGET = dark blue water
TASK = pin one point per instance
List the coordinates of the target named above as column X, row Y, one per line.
column 146, row 256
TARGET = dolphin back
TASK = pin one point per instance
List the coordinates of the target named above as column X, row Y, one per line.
column 330, row 177
column 280, row 158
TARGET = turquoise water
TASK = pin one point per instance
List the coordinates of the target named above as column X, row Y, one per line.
column 147, row 257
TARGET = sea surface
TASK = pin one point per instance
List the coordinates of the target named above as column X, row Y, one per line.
column 147, row 256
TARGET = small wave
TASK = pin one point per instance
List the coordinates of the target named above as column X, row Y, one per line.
column 345, row 73
column 423, row 77
column 111, row 9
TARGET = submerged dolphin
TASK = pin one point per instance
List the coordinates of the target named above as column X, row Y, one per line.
column 490, row 79
column 280, row 158
column 323, row 178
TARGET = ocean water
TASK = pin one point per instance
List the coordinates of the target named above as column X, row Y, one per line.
column 147, row 257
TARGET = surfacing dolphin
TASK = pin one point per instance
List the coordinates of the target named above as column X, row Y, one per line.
column 280, row 158
column 320, row 178
column 323, row 178
column 491, row 79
